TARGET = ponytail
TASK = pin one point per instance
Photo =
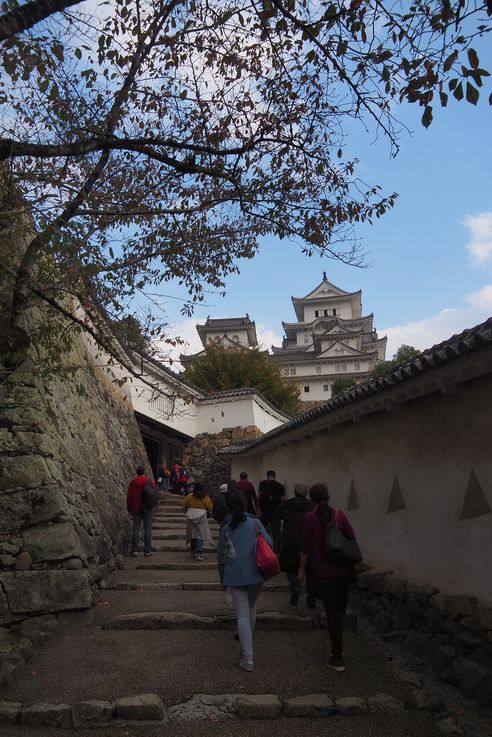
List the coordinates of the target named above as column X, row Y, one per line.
column 318, row 493
column 236, row 504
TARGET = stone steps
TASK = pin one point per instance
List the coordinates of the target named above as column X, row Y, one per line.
column 177, row 586
column 176, row 548
column 192, row 565
column 188, row 620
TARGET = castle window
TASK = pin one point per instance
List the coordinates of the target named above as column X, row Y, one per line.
column 356, row 366
column 306, row 338
column 325, row 312
column 293, row 371
column 343, row 366
column 326, row 387
column 235, row 338
column 337, row 368
column 318, row 369
column 316, row 313
column 306, row 389
column 336, row 311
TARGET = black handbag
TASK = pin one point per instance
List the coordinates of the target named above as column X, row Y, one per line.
column 338, row 548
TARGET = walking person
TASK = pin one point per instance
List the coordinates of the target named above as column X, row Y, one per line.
column 139, row 512
column 249, row 492
column 270, row 495
column 175, row 476
column 238, row 570
column 291, row 514
column 330, row 579
column 198, row 506
column 219, row 511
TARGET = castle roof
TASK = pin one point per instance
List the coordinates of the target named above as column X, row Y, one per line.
column 325, row 291
column 216, row 325
column 456, row 348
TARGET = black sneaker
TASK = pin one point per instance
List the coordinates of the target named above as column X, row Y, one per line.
column 337, row 664
column 294, row 598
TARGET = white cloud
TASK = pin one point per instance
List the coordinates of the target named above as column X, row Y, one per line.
column 425, row 333
column 480, row 229
column 267, row 337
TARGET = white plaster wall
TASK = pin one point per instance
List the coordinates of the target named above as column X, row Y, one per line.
column 213, row 416
column 431, row 445
column 174, row 412
column 241, row 334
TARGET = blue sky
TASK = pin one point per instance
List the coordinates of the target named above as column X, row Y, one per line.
column 431, row 256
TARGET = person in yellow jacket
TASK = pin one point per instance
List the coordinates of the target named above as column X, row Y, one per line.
column 197, row 507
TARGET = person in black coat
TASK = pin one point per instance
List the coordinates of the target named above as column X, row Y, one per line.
column 292, row 512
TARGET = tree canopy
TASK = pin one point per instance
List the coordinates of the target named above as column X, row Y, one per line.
column 158, row 139
column 402, row 354
column 342, row 385
column 222, row 368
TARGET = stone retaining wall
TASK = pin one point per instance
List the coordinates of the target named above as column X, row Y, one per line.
column 452, row 633
column 203, row 462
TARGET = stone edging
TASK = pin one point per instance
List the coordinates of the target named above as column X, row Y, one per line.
column 150, row 708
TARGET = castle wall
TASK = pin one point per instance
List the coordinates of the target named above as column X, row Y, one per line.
column 416, row 482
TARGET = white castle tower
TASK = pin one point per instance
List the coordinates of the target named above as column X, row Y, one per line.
column 331, row 339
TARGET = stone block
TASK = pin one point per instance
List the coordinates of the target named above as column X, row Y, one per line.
column 449, row 726
column 46, row 591
column 54, row 715
column 420, row 592
column 440, row 603
column 484, row 693
column 436, row 621
column 485, row 617
column 25, row 648
column 204, row 707
column 6, row 560
column 146, row 707
column 312, row 705
column 237, row 433
column 383, row 622
column 418, row 642
column 443, row 657
column 23, row 562
column 38, row 629
column 423, row 700
column 384, row 703
column 14, row 474
column 373, row 582
column 10, row 712
column 259, row 706
column 351, row 705
column 73, row 564
column 405, row 676
column 53, row 542
column 88, row 713
column 461, row 606
column 395, row 586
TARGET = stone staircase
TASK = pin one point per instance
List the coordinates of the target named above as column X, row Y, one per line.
column 158, row 648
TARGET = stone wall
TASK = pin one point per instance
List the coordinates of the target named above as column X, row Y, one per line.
column 201, row 459
column 68, row 445
column 452, row 633
column 66, row 457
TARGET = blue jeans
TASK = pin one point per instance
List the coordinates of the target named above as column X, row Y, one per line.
column 146, row 516
column 245, row 604
column 197, row 545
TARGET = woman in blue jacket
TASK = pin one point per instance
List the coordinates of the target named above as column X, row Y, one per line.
column 238, row 570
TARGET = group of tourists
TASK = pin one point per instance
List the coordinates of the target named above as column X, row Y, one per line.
column 296, row 529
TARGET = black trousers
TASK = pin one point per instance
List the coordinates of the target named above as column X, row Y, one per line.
column 334, row 593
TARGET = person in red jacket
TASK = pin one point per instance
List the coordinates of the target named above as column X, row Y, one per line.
column 331, row 581
column 249, row 492
column 139, row 513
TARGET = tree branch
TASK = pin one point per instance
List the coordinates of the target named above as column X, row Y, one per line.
column 26, row 16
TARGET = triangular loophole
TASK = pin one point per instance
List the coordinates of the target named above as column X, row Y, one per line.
column 396, row 502
column 353, row 502
column 475, row 503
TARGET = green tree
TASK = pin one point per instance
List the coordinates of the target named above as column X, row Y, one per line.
column 222, row 368
column 402, row 354
column 405, row 353
column 155, row 139
column 341, row 385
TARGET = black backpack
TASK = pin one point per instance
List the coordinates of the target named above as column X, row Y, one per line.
column 150, row 497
